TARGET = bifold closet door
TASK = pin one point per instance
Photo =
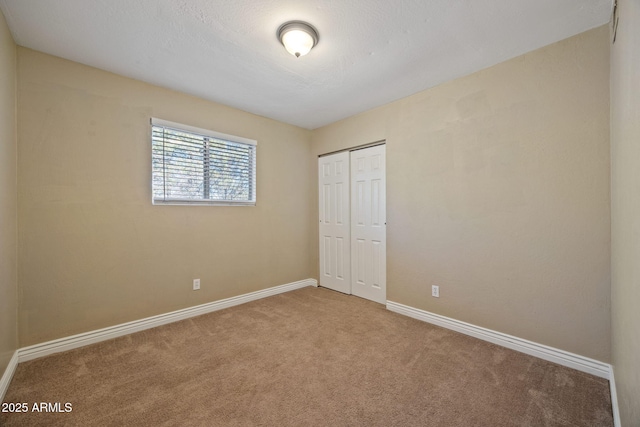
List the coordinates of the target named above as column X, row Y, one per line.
column 368, row 224
column 335, row 263
column 353, row 243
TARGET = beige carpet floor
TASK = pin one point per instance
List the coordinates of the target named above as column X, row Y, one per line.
column 311, row 357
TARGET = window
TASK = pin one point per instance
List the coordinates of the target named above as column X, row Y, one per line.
column 197, row 166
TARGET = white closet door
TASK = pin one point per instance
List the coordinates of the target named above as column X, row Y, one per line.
column 368, row 224
column 335, row 255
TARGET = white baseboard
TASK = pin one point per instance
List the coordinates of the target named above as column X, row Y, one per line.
column 614, row 399
column 8, row 374
column 80, row 340
column 551, row 354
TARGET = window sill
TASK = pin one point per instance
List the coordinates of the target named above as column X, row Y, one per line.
column 201, row 203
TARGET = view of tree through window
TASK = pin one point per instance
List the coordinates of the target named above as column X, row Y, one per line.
column 189, row 167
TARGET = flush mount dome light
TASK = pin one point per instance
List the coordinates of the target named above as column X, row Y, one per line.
column 297, row 37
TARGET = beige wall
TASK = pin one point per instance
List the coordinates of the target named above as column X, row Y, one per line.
column 93, row 250
column 498, row 191
column 8, row 199
column 625, row 210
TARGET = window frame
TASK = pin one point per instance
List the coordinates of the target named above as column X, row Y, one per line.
column 211, row 134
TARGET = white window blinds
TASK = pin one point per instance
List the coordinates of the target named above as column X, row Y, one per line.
column 192, row 165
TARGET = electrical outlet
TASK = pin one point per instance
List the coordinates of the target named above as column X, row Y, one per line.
column 196, row 284
column 435, row 291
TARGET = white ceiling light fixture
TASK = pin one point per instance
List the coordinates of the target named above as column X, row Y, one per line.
column 298, row 37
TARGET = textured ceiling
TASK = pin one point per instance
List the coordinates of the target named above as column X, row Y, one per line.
column 370, row 52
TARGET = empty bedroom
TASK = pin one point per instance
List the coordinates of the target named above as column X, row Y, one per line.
column 276, row 213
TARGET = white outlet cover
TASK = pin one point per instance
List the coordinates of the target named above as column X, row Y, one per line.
column 196, row 284
column 435, row 291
